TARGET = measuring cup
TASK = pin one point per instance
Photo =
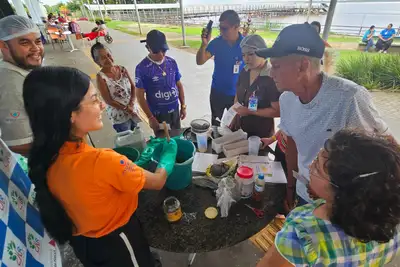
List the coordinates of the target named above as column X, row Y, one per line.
column 254, row 145
column 201, row 139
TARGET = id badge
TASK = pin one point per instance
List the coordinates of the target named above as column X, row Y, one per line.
column 236, row 67
column 253, row 103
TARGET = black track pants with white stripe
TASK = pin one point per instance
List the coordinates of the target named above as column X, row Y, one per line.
column 125, row 247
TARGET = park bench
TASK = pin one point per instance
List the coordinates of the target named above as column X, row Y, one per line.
column 395, row 48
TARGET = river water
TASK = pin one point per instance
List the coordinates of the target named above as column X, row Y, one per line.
column 357, row 14
column 349, row 17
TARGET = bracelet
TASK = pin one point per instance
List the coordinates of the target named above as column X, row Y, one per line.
column 273, row 138
column 151, row 117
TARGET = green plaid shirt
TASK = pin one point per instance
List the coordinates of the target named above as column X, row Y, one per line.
column 306, row 240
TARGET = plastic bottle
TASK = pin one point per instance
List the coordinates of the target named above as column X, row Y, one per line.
column 259, row 187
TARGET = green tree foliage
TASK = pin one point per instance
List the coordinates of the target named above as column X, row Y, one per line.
column 74, row 5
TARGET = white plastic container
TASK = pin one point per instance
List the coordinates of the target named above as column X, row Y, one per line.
column 130, row 138
column 254, row 145
column 217, row 143
column 201, row 139
column 236, row 148
column 245, row 180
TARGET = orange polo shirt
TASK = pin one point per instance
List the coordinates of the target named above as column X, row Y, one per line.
column 97, row 187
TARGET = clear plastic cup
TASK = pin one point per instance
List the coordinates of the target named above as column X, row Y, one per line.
column 254, row 145
column 201, row 139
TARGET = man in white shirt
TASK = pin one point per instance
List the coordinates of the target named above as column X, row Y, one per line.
column 314, row 106
column 22, row 51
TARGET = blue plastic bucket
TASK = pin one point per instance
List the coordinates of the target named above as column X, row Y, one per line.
column 181, row 176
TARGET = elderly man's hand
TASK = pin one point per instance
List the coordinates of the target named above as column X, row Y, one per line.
column 243, row 111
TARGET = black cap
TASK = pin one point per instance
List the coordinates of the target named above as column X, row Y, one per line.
column 156, row 41
column 298, row 39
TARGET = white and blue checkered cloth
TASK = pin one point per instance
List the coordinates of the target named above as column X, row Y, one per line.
column 23, row 240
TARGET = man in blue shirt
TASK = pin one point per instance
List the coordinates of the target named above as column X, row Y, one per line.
column 158, row 78
column 385, row 39
column 228, row 62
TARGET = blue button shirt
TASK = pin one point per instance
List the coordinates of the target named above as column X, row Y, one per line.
column 225, row 57
column 386, row 34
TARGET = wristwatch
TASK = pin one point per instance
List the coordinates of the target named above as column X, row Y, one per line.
column 184, row 106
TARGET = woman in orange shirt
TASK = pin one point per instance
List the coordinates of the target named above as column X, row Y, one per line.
column 86, row 196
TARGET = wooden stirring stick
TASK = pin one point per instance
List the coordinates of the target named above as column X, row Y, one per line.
column 166, row 132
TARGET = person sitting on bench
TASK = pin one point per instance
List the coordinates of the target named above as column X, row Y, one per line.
column 368, row 38
column 385, row 39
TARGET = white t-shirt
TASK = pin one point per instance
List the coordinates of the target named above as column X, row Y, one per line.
column 339, row 104
column 14, row 121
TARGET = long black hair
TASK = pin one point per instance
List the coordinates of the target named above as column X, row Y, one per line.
column 366, row 171
column 51, row 94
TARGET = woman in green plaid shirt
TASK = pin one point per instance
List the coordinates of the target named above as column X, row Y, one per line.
column 356, row 218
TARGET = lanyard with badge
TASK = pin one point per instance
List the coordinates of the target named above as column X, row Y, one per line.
column 236, row 67
column 253, row 100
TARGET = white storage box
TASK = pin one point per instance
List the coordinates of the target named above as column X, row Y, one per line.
column 228, row 139
column 236, row 148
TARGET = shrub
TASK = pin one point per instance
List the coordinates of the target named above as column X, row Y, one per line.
column 106, row 19
column 373, row 71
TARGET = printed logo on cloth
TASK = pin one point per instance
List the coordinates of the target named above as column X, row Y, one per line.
column 32, row 197
column 127, row 165
column 33, row 242
column 173, row 93
column 18, row 200
column 155, row 79
column 15, row 114
column 304, row 49
column 4, row 207
column 49, row 254
column 7, row 161
column 14, row 253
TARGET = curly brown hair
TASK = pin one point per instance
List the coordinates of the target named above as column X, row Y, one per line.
column 366, row 207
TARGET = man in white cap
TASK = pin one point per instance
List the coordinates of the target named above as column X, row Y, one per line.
column 22, row 51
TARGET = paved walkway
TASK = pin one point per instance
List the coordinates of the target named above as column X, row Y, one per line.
column 128, row 51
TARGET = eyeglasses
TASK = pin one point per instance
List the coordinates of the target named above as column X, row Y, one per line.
column 315, row 172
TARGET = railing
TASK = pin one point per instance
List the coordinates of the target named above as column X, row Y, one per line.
column 262, row 19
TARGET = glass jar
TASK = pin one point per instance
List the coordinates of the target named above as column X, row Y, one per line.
column 245, row 180
column 172, row 209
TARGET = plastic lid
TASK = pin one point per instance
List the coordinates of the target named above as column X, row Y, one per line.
column 245, row 172
column 199, row 126
column 261, row 176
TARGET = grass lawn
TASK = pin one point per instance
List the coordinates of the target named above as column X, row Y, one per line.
column 196, row 31
column 192, row 43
